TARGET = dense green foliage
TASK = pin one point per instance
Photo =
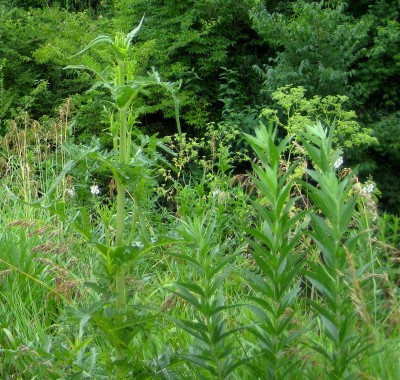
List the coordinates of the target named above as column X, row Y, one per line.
column 196, row 189
column 231, row 56
column 296, row 281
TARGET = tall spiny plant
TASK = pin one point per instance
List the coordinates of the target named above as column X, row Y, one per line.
column 125, row 89
column 335, row 204
column 273, row 247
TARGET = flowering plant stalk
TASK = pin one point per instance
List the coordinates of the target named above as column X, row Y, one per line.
column 333, row 231
column 214, row 352
column 125, row 88
column 274, row 247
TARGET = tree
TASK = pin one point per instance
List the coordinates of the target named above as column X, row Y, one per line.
column 32, row 78
column 341, row 48
column 316, row 44
column 192, row 40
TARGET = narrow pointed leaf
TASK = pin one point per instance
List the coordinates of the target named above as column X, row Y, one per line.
column 133, row 33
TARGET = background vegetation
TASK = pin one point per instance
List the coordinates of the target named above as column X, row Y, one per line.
column 211, row 192
column 230, row 55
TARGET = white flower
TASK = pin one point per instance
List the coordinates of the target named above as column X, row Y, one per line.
column 71, row 192
column 95, row 190
column 216, row 192
column 338, row 163
column 368, row 189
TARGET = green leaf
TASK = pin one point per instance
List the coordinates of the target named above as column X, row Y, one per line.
column 346, row 214
column 189, row 259
column 265, row 305
column 284, row 198
column 265, row 237
column 267, row 182
column 96, row 41
column 133, row 33
column 196, row 329
column 324, row 283
column 318, row 347
column 83, row 316
column 191, row 287
column 124, row 96
column 184, row 293
column 329, row 322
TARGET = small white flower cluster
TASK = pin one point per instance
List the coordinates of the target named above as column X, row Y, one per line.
column 216, row 193
column 71, row 192
column 338, row 163
column 368, row 189
column 94, row 189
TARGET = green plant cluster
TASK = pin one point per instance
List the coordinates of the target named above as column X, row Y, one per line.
column 252, row 277
column 201, row 194
column 232, row 57
column 151, row 258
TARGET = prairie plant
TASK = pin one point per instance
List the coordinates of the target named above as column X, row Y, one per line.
column 33, row 155
column 213, row 353
column 333, row 233
column 276, row 250
column 129, row 166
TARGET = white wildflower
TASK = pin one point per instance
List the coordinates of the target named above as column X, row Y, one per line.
column 216, row 192
column 338, row 163
column 368, row 189
column 71, row 192
column 95, row 190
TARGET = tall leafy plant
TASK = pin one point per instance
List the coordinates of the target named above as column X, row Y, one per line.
column 209, row 259
column 127, row 162
column 274, row 247
column 335, row 203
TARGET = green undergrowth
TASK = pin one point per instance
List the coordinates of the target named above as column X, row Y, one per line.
column 154, row 260
column 274, row 275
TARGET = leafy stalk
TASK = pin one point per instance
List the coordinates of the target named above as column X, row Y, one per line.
column 332, row 233
column 273, row 249
column 213, row 352
column 125, row 90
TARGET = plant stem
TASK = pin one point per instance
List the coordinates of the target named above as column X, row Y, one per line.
column 120, row 286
